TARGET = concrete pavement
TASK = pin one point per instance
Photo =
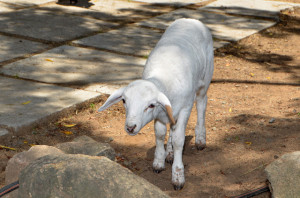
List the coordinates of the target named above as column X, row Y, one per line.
column 55, row 56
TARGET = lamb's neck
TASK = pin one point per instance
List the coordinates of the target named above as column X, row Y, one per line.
column 160, row 86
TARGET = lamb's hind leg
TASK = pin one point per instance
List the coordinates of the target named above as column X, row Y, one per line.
column 170, row 152
column 200, row 131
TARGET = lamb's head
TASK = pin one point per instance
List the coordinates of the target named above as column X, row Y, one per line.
column 143, row 103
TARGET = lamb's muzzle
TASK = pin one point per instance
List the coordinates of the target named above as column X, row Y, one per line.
column 177, row 73
column 130, row 129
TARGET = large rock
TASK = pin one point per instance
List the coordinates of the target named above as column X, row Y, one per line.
column 80, row 176
column 84, row 138
column 87, row 146
column 21, row 160
column 284, row 176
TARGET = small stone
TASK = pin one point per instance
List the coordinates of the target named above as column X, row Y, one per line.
column 269, row 140
column 110, row 139
column 272, row 120
column 214, row 128
column 127, row 163
column 3, row 132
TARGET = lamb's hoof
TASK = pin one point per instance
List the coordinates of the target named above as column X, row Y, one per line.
column 170, row 158
column 157, row 170
column 200, row 147
column 178, row 187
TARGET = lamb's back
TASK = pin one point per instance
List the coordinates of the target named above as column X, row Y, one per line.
column 179, row 58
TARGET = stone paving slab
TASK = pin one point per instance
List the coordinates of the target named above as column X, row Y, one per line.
column 180, row 2
column 12, row 47
column 104, row 88
column 256, row 8
column 111, row 10
column 50, row 26
column 132, row 40
column 79, row 66
column 219, row 44
column 26, row 3
column 4, row 7
column 223, row 27
column 23, row 102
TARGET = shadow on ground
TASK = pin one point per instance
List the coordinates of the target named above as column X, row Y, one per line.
column 220, row 169
column 29, row 24
column 228, row 166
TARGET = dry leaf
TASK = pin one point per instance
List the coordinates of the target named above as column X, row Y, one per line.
column 27, row 102
column 69, row 125
column 67, row 132
column 47, row 59
column 249, row 143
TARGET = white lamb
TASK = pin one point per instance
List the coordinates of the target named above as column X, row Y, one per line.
column 178, row 72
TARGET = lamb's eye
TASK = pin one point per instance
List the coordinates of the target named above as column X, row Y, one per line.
column 151, row 106
column 123, row 101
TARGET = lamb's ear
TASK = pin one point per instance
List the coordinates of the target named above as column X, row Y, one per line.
column 164, row 101
column 112, row 99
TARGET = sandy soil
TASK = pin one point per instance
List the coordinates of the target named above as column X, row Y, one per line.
column 252, row 118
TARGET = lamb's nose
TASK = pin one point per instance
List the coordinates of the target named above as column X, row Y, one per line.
column 130, row 129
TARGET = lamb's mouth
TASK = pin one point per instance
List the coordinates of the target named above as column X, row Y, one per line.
column 132, row 133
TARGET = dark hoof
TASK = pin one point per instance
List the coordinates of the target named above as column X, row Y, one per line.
column 157, row 170
column 200, row 147
column 177, row 187
column 169, row 160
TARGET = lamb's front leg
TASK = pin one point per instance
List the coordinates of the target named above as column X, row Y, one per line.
column 178, row 138
column 160, row 153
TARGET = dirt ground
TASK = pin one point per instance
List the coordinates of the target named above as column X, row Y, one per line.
column 252, row 119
